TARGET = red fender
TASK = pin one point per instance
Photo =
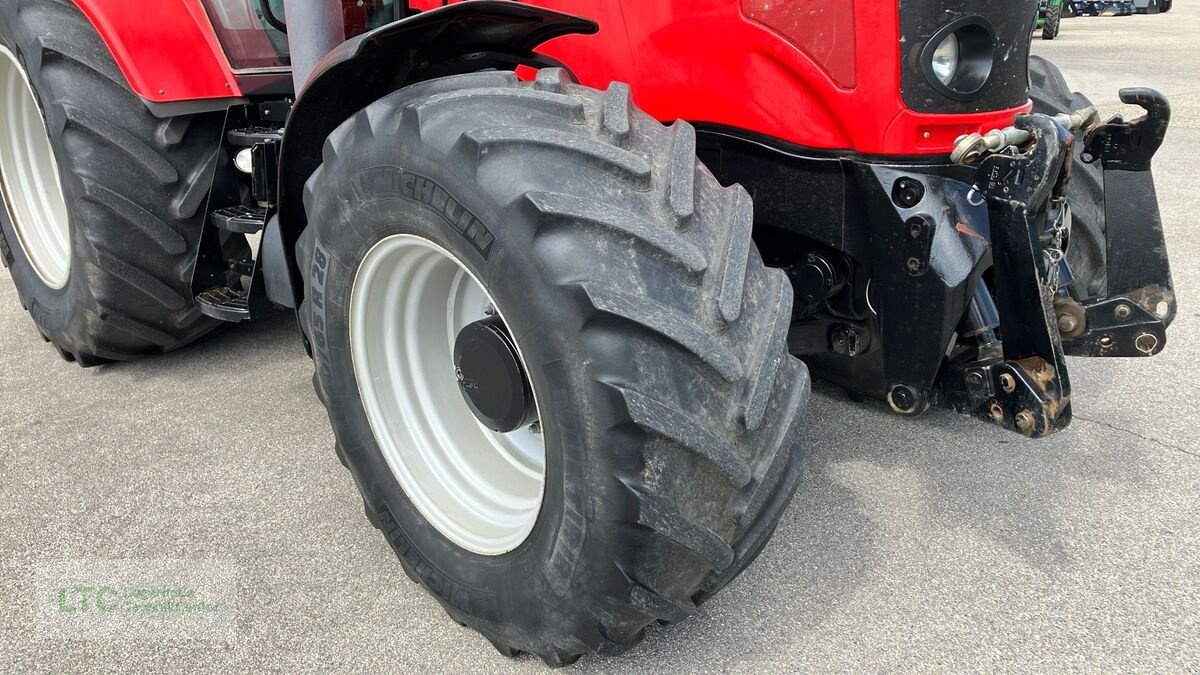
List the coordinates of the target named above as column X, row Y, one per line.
column 167, row 49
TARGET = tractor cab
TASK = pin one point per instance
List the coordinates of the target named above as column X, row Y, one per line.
column 253, row 33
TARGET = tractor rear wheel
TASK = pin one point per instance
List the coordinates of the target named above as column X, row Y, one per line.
column 1087, row 252
column 553, row 359
column 102, row 201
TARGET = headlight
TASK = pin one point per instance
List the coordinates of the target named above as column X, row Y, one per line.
column 957, row 60
column 945, row 59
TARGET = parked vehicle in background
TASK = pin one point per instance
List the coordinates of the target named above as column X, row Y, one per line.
column 1152, row 6
column 1050, row 15
column 1102, row 8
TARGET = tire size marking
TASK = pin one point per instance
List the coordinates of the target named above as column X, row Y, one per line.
column 384, row 182
column 317, row 322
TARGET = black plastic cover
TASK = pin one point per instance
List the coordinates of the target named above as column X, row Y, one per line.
column 1012, row 24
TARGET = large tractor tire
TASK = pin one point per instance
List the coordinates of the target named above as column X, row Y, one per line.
column 103, row 202
column 1087, row 250
column 467, row 231
column 1053, row 21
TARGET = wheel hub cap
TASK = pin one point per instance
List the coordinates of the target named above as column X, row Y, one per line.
column 491, row 378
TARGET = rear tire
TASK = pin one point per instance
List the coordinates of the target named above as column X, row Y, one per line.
column 135, row 188
column 1087, row 252
column 653, row 336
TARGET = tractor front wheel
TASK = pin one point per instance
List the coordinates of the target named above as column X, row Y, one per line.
column 553, row 359
column 102, row 201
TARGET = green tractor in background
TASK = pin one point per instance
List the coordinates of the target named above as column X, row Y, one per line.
column 1050, row 15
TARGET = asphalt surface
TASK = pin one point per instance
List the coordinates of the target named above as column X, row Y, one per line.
column 931, row 544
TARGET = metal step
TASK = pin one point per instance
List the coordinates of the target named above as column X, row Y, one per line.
column 240, row 219
column 224, row 304
column 250, row 136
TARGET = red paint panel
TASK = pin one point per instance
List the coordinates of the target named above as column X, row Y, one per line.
column 829, row 81
column 700, row 60
column 167, row 49
column 822, row 29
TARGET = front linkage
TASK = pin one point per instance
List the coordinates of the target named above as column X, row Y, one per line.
column 949, row 284
column 1023, row 385
column 1023, row 177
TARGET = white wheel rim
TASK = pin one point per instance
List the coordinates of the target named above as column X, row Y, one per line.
column 481, row 489
column 29, row 177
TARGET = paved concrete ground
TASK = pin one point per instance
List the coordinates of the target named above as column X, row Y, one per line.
column 935, row 544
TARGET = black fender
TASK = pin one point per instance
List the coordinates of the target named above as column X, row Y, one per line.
column 459, row 38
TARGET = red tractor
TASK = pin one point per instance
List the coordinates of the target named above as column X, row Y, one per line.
column 563, row 325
